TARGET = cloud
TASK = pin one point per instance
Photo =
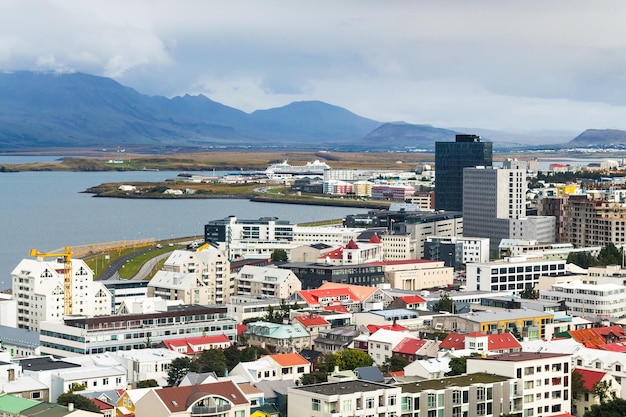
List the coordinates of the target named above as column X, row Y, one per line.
column 530, row 64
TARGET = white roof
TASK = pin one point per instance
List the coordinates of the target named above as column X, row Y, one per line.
column 173, row 280
column 389, row 336
column 567, row 346
column 25, row 383
column 90, row 372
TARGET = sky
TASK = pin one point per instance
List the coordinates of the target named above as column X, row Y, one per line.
column 506, row 65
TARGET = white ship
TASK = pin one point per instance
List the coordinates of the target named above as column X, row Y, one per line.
column 283, row 169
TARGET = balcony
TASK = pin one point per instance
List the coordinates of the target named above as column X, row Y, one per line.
column 199, row 411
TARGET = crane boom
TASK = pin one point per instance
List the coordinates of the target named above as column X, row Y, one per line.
column 67, row 272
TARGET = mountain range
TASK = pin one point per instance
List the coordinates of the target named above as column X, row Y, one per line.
column 49, row 110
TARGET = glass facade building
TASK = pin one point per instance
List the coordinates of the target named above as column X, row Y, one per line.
column 450, row 159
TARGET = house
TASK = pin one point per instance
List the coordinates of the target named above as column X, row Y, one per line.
column 413, row 349
column 409, row 302
column 352, row 297
column 591, row 378
column 193, row 345
column 278, row 338
column 430, row 368
column 465, row 344
column 146, row 364
column 126, row 403
column 381, row 344
column 224, row 398
column 290, row 366
column 20, row 343
column 13, row 406
column 336, row 339
column 313, row 323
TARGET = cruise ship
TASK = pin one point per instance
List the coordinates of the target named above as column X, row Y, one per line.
column 283, row 169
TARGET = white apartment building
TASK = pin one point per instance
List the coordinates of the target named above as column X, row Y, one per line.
column 332, row 236
column 145, row 364
column 346, row 398
column 461, row 250
column 90, row 335
column 243, row 307
column 544, row 378
column 268, row 281
column 38, row 287
column 199, row 276
column 511, row 274
column 583, row 299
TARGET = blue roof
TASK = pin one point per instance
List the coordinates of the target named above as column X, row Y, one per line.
column 19, row 337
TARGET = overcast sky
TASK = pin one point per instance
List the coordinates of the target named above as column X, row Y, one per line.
column 519, row 65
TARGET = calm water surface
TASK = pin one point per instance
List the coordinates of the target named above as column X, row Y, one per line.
column 46, row 211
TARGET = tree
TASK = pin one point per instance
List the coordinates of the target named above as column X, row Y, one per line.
column 613, row 408
column 602, row 390
column 279, row 255
column 577, row 385
column 77, row 387
column 326, row 362
column 610, row 255
column 147, row 383
column 529, row 293
column 458, row 366
column 179, row 367
column 80, row 401
column 394, row 364
column 349, row 359
column 314, row 378
column 212, row 360
column 445, row 303
column 582, row 259
column 233, row 357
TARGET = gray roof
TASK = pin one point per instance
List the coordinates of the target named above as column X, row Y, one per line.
column 345, row 387
column 369, row 373
column 19, row 337
column 45, row 363
column 271, row 388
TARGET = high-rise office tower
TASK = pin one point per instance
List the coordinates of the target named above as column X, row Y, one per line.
column 450, row 159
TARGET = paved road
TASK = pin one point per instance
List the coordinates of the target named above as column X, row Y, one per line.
column 116, row 265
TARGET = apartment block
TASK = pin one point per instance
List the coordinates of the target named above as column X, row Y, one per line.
column 544, row 378
column 39, row 288
column 268, row 281
column 595, row 222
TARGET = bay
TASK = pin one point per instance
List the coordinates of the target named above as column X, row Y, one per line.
column 48, row 210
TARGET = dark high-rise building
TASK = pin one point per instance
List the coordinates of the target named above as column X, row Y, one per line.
column 450, row 159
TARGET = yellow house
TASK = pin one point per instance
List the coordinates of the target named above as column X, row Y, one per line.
column 126, row 402
column 267, row 410
column 569, row 189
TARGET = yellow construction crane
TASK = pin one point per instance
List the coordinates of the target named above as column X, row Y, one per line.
column 67, row 272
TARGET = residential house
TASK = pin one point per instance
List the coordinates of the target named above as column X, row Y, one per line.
column 222, row 398
column 336, row 339
column 278, row 338
column 313, row 323
column 280, row 367
column 590, row 379
column 352, row 297
column 193, row 345
column 413, row 349
column 126, row 403
column 477, row 342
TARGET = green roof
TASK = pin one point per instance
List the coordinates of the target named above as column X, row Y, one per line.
column 11, row 404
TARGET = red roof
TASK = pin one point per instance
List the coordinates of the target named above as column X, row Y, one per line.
column 397, row 373
column 374, row 239
column 195, row 341
column 587, row 337
column 590, row 378
column 241, row 329
column 352, row 245
column 373, row 328
column 614, row 347
column 610, row 332
column 337, row 309
column 289, row 359
column 102, row 405
column 454, row 341
column 503, row 341
column 312, row 321
column 312, row 296
column 412, row 299
column 334, row 254
column 409, row 346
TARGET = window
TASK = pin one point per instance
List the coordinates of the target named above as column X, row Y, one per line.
column 347, row 405
column 391, row 400
column 432, row 400
column 369, row 402
column 315, row 404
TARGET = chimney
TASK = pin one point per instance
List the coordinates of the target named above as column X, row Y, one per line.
column 11, row 372
column 70, row 406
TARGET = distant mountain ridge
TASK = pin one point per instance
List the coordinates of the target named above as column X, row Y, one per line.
column 599, row 137
column 45, row 110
